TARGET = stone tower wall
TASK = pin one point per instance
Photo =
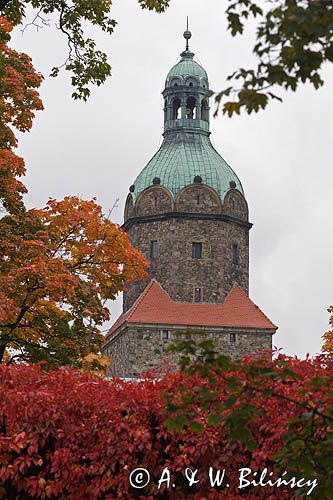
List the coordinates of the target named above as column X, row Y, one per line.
column 175, row 269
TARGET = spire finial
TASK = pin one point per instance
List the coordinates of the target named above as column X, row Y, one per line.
column 187, row 34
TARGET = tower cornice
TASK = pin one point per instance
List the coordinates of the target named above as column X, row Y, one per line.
column 185, row 215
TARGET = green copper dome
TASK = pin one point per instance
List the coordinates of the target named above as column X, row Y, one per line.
column 187, row 67
column 180, row 159
column 186, row 151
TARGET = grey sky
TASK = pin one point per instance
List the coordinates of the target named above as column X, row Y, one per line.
column 283, row 155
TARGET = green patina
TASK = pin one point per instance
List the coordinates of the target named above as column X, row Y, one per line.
column 183, row 156
column 187, row 67
column 186, row 151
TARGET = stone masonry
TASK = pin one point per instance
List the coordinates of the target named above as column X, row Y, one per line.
column 217, row 271
column 135, row 350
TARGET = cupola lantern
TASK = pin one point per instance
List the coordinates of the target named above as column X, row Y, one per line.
column 186, row 101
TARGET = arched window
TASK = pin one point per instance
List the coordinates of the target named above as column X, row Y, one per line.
column 176, row 109
column 190, row 107
column 174, row 82
column 204, row 110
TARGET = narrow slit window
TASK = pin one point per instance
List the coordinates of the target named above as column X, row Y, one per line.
column 196, row 250
column 155, row 201
column 235, row 254
column 153, row 249
column 197, row 295
column 232, row 338
column 198, row 199
column 165, row 335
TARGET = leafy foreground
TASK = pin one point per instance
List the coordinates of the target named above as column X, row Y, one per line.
column 70, row 435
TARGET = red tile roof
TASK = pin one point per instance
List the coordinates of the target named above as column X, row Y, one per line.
column 155, row 306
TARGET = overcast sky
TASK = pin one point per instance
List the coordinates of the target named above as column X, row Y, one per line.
column 283, row 155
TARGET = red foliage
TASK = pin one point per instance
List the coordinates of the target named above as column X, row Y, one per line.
column 19, row 100
column 71, row 435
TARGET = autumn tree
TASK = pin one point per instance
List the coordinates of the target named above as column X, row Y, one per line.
column 328, row 336
column 87, row 64
column 294, row 40
column 59, row 265
column 19, row 100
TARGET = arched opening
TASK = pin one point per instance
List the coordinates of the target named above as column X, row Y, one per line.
column 176, row 109
column 204, row 110
column 190, row 107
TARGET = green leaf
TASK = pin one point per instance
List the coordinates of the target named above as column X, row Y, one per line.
column 214, row 419
column 196, row 426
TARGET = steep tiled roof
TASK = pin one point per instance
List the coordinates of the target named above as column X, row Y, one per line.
column 155, row 306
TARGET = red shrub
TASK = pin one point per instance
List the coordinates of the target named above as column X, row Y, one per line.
column 64, row 434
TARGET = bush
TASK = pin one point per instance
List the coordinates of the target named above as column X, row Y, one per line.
column 64, row 434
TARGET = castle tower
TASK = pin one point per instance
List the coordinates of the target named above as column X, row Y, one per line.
column 186, row 210
column 187, row 213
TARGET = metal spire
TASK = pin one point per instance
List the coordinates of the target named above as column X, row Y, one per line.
column 187, row 34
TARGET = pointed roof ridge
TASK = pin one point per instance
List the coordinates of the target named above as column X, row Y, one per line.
column 235, row 285
column 233, row 290
column 125, row 316
column 154, row 306
column 135, row 305
column 236, row 288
